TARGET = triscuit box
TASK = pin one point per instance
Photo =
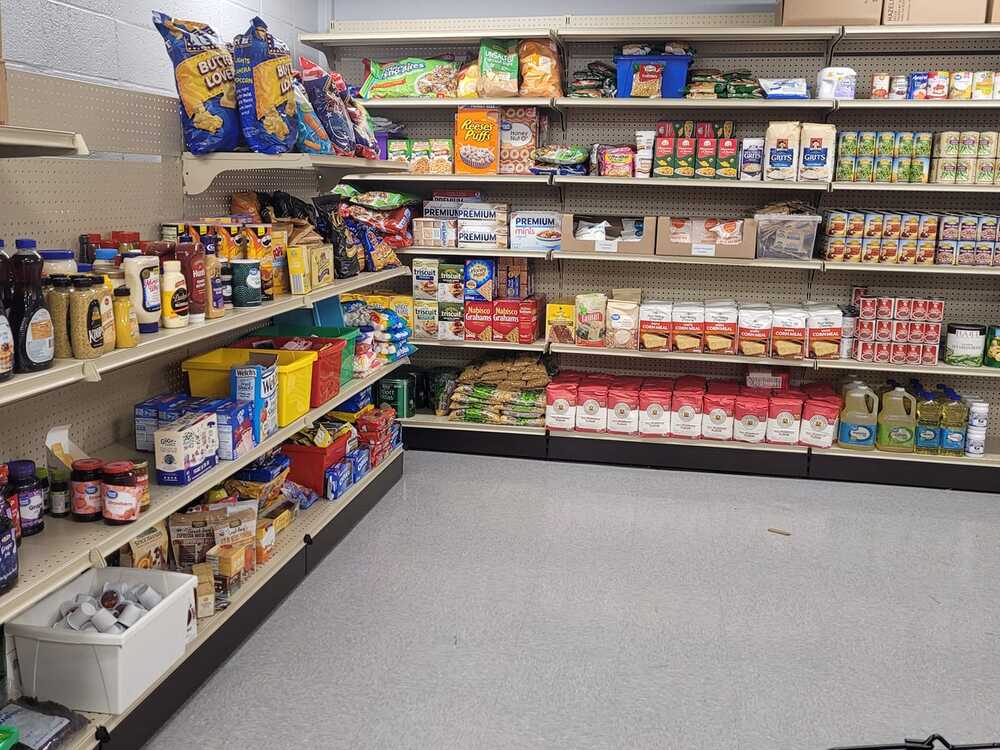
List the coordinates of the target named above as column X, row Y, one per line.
column 933, row 12
column 451, row 326
column 451, row 282
column 425, row 319
column 425, row 278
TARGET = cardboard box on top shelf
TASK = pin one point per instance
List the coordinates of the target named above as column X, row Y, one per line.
column 609, row 245
column 701, row 242
column 824, row 13
column 933, row 12
column 993, row 12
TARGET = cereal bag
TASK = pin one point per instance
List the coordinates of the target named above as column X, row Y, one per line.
column 264, row 90
column 312, row 137
column 203, row 70
column 330, row 108
column 498, row 66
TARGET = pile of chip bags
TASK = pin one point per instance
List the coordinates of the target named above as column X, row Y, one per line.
column 384, row 336
column 507, row 391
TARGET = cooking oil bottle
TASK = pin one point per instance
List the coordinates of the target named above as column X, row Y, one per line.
column 858, row 419
column 897, row 421
column 849, row 385
column 954, row 422
column 927, row 439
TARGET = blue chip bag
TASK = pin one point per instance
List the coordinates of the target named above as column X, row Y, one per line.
column 312, row 137
column 330, row 108
column 203, row 72
column 265, row 90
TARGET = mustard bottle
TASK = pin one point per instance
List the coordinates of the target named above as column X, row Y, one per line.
column 126, row 322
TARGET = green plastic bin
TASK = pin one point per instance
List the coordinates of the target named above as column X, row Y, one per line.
column 349, row 335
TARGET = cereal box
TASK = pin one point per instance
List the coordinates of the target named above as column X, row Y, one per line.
column 478, row 320
column 518, row 138
column 477, row 140
column 478, row 280
column 505, row 320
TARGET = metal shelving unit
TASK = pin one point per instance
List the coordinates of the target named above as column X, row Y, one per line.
column 539, row 346
column 17, row 143
column 810, row 265
column 706, row 33
column 905, row 187
column 700, row 443
column 474, row 252
column 434, row 422
column 735, row 105
column 921, row 33
column 917, row 105
column 691, row 182
column 681, row 356
column 887, row 368
column 908, row 269
column 497, row 179
column 455, row 103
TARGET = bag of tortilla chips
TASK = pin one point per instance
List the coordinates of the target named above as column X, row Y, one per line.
column 265, row 90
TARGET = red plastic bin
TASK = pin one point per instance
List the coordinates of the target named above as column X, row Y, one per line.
column 326, row 368
column 309, row 463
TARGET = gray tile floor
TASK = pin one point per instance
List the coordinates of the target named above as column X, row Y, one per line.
column 499, row 603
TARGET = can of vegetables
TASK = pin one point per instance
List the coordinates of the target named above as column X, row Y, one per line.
column 965, row 345
column 992, row 358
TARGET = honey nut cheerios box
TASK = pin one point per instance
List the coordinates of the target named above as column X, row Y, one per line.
column 477, row 140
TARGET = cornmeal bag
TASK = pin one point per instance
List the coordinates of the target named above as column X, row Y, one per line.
column 330, row 108
column 265, row 90
column 312, row 137
column 203, row 71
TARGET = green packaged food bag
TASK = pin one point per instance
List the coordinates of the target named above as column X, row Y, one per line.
column 498, row 68
column 434, row 77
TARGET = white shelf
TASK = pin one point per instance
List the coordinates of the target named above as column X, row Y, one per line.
column 468, row 252
column 586, row 102
column 918, row 104
column 538, row 346
column 433, row 422
column 369, row 278
column 733, row 34
column 916, row 33
column 886, row 367
column 916, row 187
column 990, row 460
column 813, row 265
column 425, row 102
column 325, row 40
column 908, row 268
column 512, row 179
column 63, row 550
column 200, row 171
column 17, row 142
column 738, row 359
column 696, row 182
column 698, row 443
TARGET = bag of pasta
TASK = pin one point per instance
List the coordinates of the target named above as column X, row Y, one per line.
column 330, row 108
column 541, row 72
column 312, row 137
column 203, row 72
column 264, row 90
column 497, row 68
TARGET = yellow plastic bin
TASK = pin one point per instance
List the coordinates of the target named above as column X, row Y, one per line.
column 209, row 376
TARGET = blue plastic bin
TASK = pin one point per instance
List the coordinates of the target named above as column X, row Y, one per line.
column 675, row 70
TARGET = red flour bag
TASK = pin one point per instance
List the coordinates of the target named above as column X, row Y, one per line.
column 784, row 416
column 819, row 422
column 654, row 407
column 728, row 387
column 623, row 406
column 685, row 414
column 717, row 417
column 560, row 403
column 592, row 406
column 750, row 418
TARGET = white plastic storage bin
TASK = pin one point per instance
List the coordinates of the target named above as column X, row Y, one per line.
column 786, row 236
column 94, row 671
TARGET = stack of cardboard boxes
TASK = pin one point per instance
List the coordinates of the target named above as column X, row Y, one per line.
column 888, row 12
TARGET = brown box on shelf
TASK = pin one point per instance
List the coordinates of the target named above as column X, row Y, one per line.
column 993, row 12
column 643, row 246
column 823, row 13
column 699, row 240
column 933, row 12
column 4, row 112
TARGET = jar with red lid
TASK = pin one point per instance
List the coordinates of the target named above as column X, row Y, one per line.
column 85, row 488
column 120, row 496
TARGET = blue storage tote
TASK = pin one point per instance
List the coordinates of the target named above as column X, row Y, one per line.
column 675, row 71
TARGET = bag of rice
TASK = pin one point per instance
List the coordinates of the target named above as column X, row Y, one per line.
column 330, row 108
column 203, row 71
column 498, row 67
column 264, row 90
column 312, row 137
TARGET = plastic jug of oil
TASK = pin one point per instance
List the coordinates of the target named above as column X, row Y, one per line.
column 954, row 422
column 927, row 439
column 858, row 419
column 897, row 421
column 849, row 385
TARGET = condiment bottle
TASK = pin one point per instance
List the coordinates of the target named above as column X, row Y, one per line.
column 126, row 323
column 216, row 303
column 42, row 475
column 58, row 299
column 86, row 327
column 191, row 256
column 31, row 501
column 6, row 334
column 103, row 288
column 175, row 295
column 142, row 274
column 59, row 499
column 30, row 321
column 85, row 489
column 8, row 555
column 11, row 503
column 120, row 495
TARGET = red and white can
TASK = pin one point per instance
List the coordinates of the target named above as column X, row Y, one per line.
column 901, row 331
column 883, row 351
column 897, row 353
column 914, row 354
column 918, row 309
column 929, row 354
column 884, row 307
column 932, row 333
column 883, row 330
column 857, row 292
column 901, row 307
column 918, row 330
column 867, row 308
column 864, row 330
column 935, row 310
column 864, row 351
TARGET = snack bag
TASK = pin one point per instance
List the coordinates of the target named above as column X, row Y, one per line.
column 468, row 81
column 435, row 77
column 364, row 131
column 312, row 137
column 540, row 69
column 378, row 253
column 203, row 71
column 264, row 90
column 330, row 108
column 498, row 67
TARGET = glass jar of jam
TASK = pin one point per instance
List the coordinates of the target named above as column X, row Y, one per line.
column 85, row 488
column 120, row 495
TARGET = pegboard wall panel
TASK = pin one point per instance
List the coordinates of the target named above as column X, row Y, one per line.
column 216, row 200
column 109, row 118
column 484, row 24
column 612, row 21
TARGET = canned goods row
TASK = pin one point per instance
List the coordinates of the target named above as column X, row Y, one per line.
column 910, row 252
column 871, row 307
column 900, row 331
column 891, row 225
column 937, row 84
column 890, row 143
column 963, row 171
column 890, row 352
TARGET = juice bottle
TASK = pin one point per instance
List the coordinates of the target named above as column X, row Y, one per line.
column 215, row 304
column 858, row 419
column 954, row 422
column 897, row 421
column 927, row 439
